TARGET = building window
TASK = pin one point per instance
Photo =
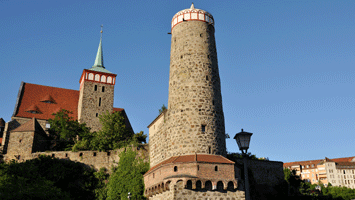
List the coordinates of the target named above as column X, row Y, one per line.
column 97, row 114
column 103, row 88
column 203, row 128
column 209, row 150
column 100, row 101
column 216, row 168
column 95, row 88
column 108, row 153
column 198, row 167
column 175, row 169
column 94, row 153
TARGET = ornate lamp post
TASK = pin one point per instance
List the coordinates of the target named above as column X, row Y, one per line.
column 243, row 141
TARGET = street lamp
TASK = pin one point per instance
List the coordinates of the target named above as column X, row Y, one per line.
column 243, row 141
column 129, row 195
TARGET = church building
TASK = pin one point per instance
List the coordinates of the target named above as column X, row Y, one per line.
column 37, row 103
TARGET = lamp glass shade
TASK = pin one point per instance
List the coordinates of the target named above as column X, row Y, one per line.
column 243, row 140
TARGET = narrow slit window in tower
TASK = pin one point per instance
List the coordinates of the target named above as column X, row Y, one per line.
column 216, row 168
column 103, row 88
column 206, row 78
column 97, row 114
column 100, row 101
column 95, row 88
column 175, row 169
column 209, row 150
column 203, row 128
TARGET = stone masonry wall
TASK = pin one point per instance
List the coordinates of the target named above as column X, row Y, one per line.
column 93, row 159
column 89, row 106
column 177, row 192
column 195, row 101
column 20, row 144
column 14, row 123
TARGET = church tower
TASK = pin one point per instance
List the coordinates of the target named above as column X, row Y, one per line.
column 96, row 92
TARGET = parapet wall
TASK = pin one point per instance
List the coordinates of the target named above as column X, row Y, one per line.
column 178, row 192
column 94, row 159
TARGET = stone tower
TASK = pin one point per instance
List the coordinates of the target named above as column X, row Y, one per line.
column 194, row 121
column 96, row 92
column 187, row 141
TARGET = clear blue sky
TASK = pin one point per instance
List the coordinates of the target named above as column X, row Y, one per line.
column 286, row 67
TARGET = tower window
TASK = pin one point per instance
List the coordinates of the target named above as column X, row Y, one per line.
column 209, row 150
column 206, row 78
column 203, row 128
column 216, row 168
column 95, row 88
column 103, row 88
column 100, row 101
column 97, row 114
column 175, row 169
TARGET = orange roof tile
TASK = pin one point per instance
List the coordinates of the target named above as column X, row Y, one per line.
column 315, row 162
column 200, row 158
column 33, row 95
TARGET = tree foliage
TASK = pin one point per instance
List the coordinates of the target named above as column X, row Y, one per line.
column 162, row 109
column 69, row 134
column 64, row 131
column 127, row 177
column 46, row 178
column 113, row 134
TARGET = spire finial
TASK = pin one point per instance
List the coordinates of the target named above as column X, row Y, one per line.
column 192, row 6
column 99, row 61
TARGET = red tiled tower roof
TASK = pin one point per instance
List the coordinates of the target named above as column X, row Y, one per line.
column 200, row 158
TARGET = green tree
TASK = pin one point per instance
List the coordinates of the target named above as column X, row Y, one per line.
column 64, row 131
column 294, row 182
column 113, row 134
column 127, row 177
column 46, row 178
column 162, row 109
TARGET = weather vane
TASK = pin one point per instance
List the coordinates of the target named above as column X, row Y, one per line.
column 101, row 29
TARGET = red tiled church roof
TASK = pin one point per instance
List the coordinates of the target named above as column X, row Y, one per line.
column 47, row 100
column 201, row 158
column 33, row 96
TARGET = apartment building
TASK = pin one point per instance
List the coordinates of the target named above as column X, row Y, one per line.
column 338, row 171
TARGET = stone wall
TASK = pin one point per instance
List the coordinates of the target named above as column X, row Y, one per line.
column 266, row 175
column 93, row 159
column 14, row 123
column 92, row 103
column 178, row 192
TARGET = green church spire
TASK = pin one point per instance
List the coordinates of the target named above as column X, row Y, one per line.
column 99, row 61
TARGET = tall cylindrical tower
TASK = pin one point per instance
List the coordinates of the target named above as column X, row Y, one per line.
column 195, row 119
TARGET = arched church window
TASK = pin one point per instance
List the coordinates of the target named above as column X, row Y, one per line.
column 103, row 78
column 109, row 79
column 91, row 76
column 97, row 77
